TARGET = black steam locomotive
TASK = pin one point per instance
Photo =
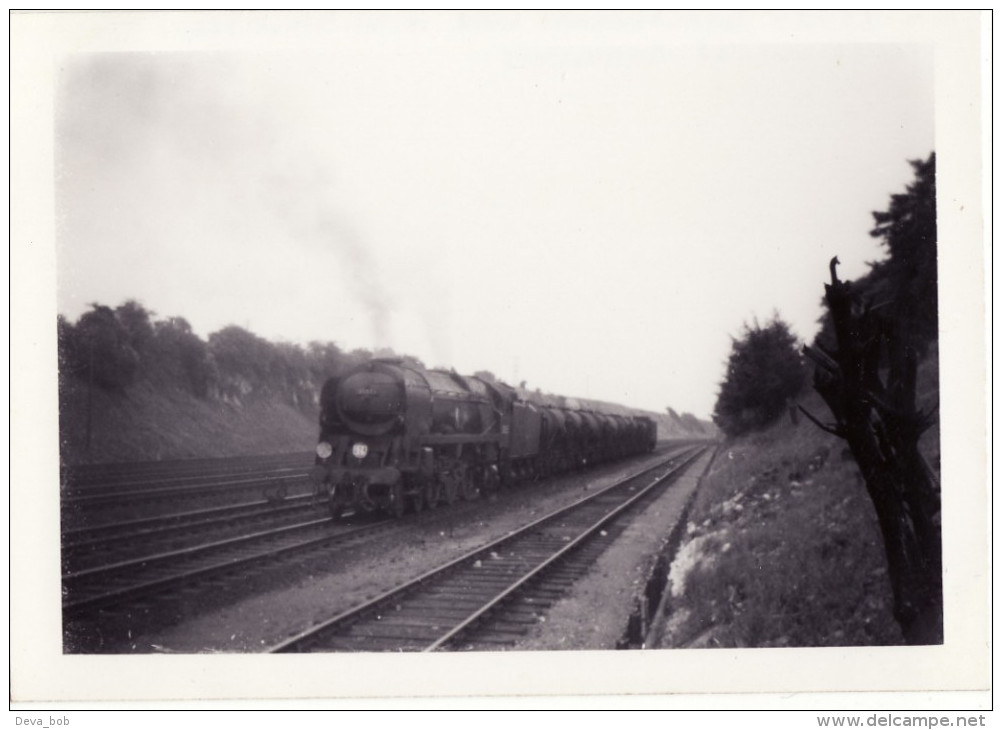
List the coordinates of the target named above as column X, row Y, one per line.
column 394, row 436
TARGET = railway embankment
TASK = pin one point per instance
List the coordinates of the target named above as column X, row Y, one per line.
column 151, row 423
column 782, row 545
column 781, row 549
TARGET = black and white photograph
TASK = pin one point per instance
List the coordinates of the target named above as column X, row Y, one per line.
column 498, row 353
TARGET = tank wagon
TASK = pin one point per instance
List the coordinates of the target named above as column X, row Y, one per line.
column 396, row 437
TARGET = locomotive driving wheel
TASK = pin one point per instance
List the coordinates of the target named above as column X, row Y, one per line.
column 396, row 503
column 491, row 480
column 415, row 495
column 470, row 483
column 450, row 487
column 432, row 493
column 452, row 481
column 336, row 503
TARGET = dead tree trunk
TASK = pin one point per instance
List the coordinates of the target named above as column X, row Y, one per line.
column 879, row 420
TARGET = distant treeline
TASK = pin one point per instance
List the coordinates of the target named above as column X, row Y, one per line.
column 115, row 348
column 689, row 422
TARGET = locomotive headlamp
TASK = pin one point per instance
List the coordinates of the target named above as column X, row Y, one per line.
column 324, row 450
column 359, row 450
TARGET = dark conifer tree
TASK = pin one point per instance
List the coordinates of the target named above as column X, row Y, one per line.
column 765, row 370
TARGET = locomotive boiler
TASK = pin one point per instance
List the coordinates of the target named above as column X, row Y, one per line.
column 395, row 437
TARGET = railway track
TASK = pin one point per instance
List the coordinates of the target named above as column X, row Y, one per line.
column 139, row 473
column 88, row 547
column 137, row 579
column 492, row 595
column 200, row 487
column 99, row 494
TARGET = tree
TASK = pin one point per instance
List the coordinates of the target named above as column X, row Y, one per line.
column 765, row 370
column 904, row 284
column 358, row 356
column 137, row 325
column 241, row 353
column 875, row 412
column 908, row 231
column 102, row 349
column 182, row 357
column 324, row 359
column 866, row 359
column 66, row 346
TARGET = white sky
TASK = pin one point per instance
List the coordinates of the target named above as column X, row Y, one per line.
column 584, row 202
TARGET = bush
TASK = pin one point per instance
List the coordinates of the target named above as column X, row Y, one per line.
column 764, row 372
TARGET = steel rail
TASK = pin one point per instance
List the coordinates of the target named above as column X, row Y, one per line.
column 198, row 490
column 559, row 555
column 136, row 590
column 358, row 611
column 84, row 537
column 87, row 476
column 152, row 560
column 74, row 488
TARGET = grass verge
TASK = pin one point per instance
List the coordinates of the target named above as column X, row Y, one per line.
column 782, row 547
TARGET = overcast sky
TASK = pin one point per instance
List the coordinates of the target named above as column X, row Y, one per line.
column 557, row 202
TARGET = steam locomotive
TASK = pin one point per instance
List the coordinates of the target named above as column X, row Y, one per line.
column 395, row 437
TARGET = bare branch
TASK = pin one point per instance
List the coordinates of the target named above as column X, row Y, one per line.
column 834, row 430
column 831, row 268
column 821, row 359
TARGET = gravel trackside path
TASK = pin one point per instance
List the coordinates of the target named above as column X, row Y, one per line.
column 594, row 614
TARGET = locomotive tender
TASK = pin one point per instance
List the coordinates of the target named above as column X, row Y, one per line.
column 394, row 436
